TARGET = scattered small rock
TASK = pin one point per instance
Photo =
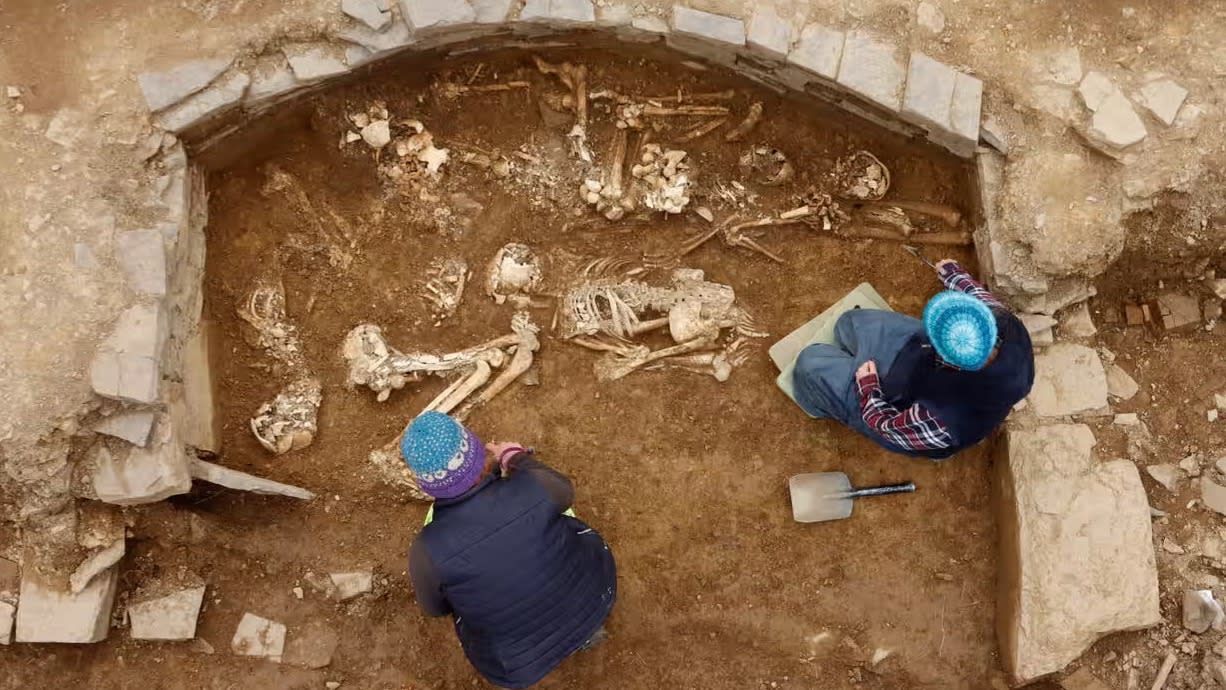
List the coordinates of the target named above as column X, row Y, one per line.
column 332, row 685
column 1211, row 415
column 1191, row 465
column 1201, row 611
column 12, row 92
column 1219, row 401
column 1115, row 125
column 1221, row 465
column 1167, row 475
column 259, row 637
column 1127, row 419
column 1170, row 546
column 170, row 617
column 350, row 585
column 880, row 655
column 1213, row 495
column 201, row 646
column 1177, row 311
column 298, row 593
column 311, row 646
column 1082, row 679
column 1095, row 87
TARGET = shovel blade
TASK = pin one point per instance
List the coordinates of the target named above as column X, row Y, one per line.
column 820, row 496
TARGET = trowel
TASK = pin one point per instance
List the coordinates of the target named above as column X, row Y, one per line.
column 823, row 496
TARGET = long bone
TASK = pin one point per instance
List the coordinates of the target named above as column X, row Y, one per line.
column 612, row 367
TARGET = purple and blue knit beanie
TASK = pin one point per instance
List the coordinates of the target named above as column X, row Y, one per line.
column 446, row 458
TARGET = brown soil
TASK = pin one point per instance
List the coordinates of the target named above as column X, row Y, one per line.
column 685, row 477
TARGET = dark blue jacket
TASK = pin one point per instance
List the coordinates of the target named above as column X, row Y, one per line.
column 527, row 585
column 971, row 404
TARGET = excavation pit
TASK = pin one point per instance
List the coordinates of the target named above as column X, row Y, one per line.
column 686, row 476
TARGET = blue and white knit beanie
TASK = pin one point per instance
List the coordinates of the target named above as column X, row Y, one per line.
column 961, row 328
column 446, row 458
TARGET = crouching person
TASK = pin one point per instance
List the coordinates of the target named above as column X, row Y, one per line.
column 527, row 583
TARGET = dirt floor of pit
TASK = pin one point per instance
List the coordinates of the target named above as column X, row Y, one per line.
column 686, row 477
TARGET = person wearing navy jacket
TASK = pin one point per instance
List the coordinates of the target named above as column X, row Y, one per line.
column 526, row 583
column 925, row 388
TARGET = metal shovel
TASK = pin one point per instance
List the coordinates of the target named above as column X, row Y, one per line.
column 822, row 496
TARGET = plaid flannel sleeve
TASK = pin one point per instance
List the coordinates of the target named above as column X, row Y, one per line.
column 915, row 428
column 957, row 278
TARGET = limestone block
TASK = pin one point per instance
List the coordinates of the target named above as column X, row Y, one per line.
column 1163, row 98
column 431, row 15
column 1095, row 87
column 377, row 42
column 259, row 637
column 491, row 11
column 651, row 24
column 1068, row 379
column 559, row 12
column 614, row 15
column 945, row 102
column 143, row 475
column 312, row 62
column 133, row 426
column 234, row 479
column 1115, row 125
column 1120, row 384
column 929, row 92
column 46, row 614
column 1177, row 311
column 7, row 613
column 1077, row 322
column 271, row 77
column 369, row 12
column 769, row 34
column 126, row 364
column 194, row 410
column 98, row 562
column 210, row 102
column 142, row 256
column 871, row 69
column 350, row 585
column 169, row 617
column 967, row 109
column 819, row 50
column 708, row 26
column 164, row 89
column 1077, row 559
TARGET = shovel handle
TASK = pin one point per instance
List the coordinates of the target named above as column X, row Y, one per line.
column 907, row 488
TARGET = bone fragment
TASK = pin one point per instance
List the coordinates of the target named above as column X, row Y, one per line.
column 684, row 110
column 289, row 421
column 702, row 130
column 1167, row 664
column 937, row 238
column 611, row 368
column 452, row 90
column 714, row 364
column 947, row 215
column 574, row 77
column 459, row 391
column 751, row 120
column 527, row 344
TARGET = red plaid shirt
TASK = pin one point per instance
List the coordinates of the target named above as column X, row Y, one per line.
column 916, row 428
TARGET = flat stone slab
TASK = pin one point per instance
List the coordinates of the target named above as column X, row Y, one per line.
column 142, row 256
column 425, row 15
column 769, row 33
column 369, row 12
column 169, row 617
column 133, row 426
column 8, row 612
column 352, row 584
column 259, row 637
column 234, row 479
column 1116, row 125
column 45, row 614
column 708, row 25
column 870, row 67
column 142, row 475
column 311, row 62
column 164, row 89
column 211, row 102
column 1163, row 98
column 1120, row 384
column 126, row 364
column 1077, row 558
column 818, row 50
column 1068, row 379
